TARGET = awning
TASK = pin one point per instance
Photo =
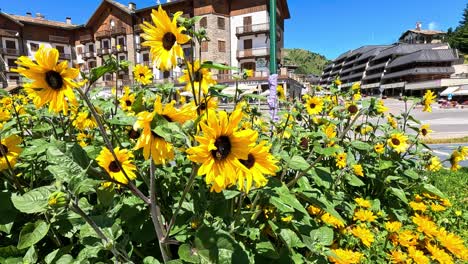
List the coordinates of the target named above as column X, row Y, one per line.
column 462, row 91
column 449, row 90
column 243, row 89
column 393, row 85
column 371, row 85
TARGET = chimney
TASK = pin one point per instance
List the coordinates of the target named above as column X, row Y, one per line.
column 132, row 6
column 418, row 26
column 68, row 20
column 28, row 14
column 39, row 15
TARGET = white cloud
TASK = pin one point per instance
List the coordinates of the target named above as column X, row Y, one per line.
column 433, row 26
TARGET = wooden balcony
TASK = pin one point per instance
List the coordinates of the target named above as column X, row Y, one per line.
column 147, row 64
column 65, row 56
column 103, row 51
column 9, row 33
column 59, row 39
column 11, row 52
column 253, row 29
column 252, row 53
column 102, row 34
column 119, row 49
column 88, row 55
column 118, row 31
column 139, row 47
column 137, row 28
column 86, row 38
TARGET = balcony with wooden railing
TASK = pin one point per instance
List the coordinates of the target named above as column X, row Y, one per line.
column 103, row 51
column 9, row 33
column 88, row 55
column 102, row 34
column 252, row 53
column 86, row 38
column 147, row 64
column 252, row 29
column 11, row 52
column 139, row 47
column 65, row 56
column 115, row 31
column 119, row 49
column 59, row 39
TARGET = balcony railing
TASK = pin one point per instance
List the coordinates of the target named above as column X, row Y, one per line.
column 252, row 29
column 102, row 34
column 249, row 53
column 60, row 39
column 9, row 33
column 118, row 31
column 12, row 52
column 103, row 51
column 140, row 47
column 65, row 56
column 147, row 64
column 86, row 38
column 88, row 55
column 119, row 48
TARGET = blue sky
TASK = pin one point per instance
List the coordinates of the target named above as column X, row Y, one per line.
column 329, row 27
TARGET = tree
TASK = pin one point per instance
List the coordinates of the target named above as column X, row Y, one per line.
column 459, row 37
column 308, row 62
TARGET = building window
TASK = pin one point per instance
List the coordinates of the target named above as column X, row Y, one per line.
column 188, row 53
column 122, row 57
column 60, row 49
column 247, row 44
column 204, row 46
column 121, row 41
column 10, row 44
column 91, row 48
column 107, row 77
column 11, row 63
column 204, row 22
column 34, row 46
column 221, row 23
column 105, row 44
column 221, row 46
column 91, row 64
column 79, row 50
column 146, row 57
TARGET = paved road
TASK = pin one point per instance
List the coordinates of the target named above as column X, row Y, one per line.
column 446, row 123
column 443, row 151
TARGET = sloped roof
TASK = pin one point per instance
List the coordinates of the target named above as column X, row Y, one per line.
column 421, row 70
column 10, row 17
column 439, row 55
column 43, row 21
column 120, row 6
column 400, row 49
column 423, row 32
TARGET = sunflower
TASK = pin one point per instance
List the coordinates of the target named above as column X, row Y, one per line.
column 363, row 202
column 337, row 82
column 340, row 160
column 331, row 220
column 142, row 74
column 221, row 147
column 201, row 78
column 52, row 81
column 164, row 39
column 314, row 105
column 393, row 227
column 9, row 147
column 364, row 234
column 424, row 130
column 171, row 114
column 418, row 256
column 84, row 121
column 455, row 160
column 127, row 100
column 345, row 256
column 280, row 92
column 357, row 170
column 207, row 104
column 106, row 160
column 364, row 216
column 425, row 225
column 392, row 121
column 397, row 256
column 259, row 162
column 380, row 107
column 438, row 254
column 379, row 148
column 398, row 141
column 153, row 145
column 428, row 99
column 434, row 164
column 352, row 108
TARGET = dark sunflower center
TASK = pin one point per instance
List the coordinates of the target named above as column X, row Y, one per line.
column 278, row 93
column 395, row 141
column 304, row 143
column 424, row 131
column 198, row 76
column 54, row 80
column 312, row 105
column 352, row 109
column 128, row 102
column 202, row 106
column 155, row 135
column 249, row 162
column 4, row 149
column 133, row 134
column 223, row 148
column 167, row 118
column 168, row 40
column 142, row 75
column 114, row 167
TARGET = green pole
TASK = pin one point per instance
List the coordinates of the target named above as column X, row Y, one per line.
column 273, row 65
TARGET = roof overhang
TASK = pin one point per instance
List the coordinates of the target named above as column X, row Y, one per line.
column 5, row 15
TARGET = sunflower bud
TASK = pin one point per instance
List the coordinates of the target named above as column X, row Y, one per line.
column 58, row 199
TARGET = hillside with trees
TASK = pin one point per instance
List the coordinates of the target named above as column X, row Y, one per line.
column 458, row 38
column 308, row 62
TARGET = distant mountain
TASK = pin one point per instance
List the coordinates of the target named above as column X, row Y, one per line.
column 308, row 62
